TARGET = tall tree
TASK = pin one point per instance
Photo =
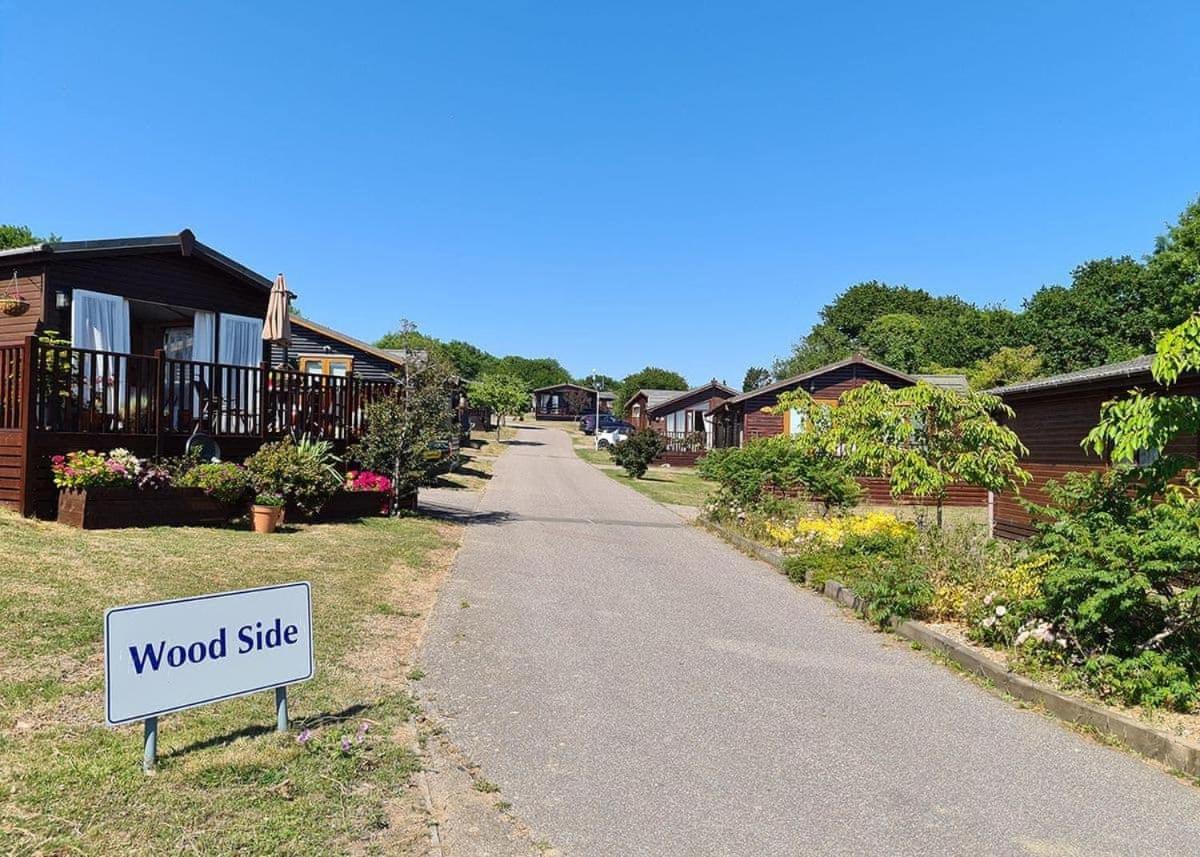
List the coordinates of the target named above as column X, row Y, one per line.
column 650, row 378
column 756, row 376
column 12, row 235
column 598, row 381
column 535, row 372
column 897, row 339
column 505, row 395
column 469, row 361
column 1007, row 366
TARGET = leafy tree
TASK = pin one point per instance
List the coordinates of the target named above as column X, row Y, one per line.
column 469, row 361
column 898, row 340
column 1148, row 421
column 756, row 376
column 534, row 372
column 598, row 381
column 408, row 338
column 1174, row 268
column 636, row 453
column 1007, row 366
column 823, row 344
column 923, row 439
column 1111, row 311
column 399, row 431
column 505, row 395
column 12, row 236
column 650, row 378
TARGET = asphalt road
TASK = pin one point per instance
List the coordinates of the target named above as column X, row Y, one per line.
column 636, row 687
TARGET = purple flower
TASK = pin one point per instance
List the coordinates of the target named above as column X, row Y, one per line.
column 345, row 743
column 304, row 737
column 362, row 731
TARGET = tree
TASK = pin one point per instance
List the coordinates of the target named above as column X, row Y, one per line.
column 469, row 362
column 505, row 395
column 636, row 453
column 1174, row 268
column 1007, row 366
column 756, row 376
column 1145, row 422
column 1111, row 311
column 534, row 372
column 598, row 381
column 897, row 340
column 408, row 339
column 400, row 429
column 650, row 378
column 923, row 439
column 12, row 236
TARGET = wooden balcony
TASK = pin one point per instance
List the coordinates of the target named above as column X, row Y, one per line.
column 54, row 399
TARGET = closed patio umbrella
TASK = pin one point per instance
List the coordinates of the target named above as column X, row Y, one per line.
column 277, row 326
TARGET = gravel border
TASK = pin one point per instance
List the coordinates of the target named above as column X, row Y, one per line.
column 1174, row 751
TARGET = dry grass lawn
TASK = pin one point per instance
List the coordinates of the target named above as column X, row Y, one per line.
column 226, row 783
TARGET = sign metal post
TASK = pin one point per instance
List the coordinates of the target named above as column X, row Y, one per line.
column 173, row 655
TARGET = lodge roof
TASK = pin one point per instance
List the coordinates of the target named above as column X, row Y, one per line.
column 184, row 240
column 1124, row 369
column 679, row 396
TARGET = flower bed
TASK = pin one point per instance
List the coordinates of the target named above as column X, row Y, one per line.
column 117, row 508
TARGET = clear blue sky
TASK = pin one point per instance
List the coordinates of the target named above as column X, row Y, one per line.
column 612, row 184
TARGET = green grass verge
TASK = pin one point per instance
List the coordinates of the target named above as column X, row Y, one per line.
column 226, row 784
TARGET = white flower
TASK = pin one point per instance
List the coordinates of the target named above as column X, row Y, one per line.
column 987, row 599
column 1022, row 637
column 989, row 621
column 1001, row 610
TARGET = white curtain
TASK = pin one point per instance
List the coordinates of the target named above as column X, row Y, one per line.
column 204, row 339
column 240, row 344
column 100, row 322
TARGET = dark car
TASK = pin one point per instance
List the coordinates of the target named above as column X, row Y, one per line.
column 607, row 421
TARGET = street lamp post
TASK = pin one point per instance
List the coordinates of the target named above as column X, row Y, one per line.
column 596, row 385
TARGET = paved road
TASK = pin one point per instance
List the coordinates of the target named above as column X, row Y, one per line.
column 635, row 687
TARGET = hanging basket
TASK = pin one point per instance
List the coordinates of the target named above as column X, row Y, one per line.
column 14, row 306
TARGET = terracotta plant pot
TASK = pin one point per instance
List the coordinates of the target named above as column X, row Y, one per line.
column 266, row 518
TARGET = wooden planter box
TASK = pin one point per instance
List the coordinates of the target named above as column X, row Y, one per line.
column 116, row 508
column 354, row 504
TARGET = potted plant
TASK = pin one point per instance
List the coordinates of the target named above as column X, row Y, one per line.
column 267, row 513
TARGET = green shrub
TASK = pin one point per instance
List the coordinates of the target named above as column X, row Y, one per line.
column 894, row 588
column 746, row 474
column 1150, row 680
column 1116, row 562
column 302, row 476
column 636, row 453
column 225, row 482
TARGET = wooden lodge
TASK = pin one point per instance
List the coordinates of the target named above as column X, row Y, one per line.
column 568, row 402
column 124, row 343
column 683, row 417
column 749, row 415
column 1054, row 414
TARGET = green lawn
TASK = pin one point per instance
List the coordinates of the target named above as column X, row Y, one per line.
column 225, row 783
column 676, row 485
column 680, row 486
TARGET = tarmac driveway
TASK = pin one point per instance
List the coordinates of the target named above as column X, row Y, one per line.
column 637, row 687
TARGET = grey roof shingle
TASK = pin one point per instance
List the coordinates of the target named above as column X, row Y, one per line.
column 1122, row 369
column 654, row 398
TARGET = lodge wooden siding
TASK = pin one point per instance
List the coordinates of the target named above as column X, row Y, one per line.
column 155, row 277
column 306, row 341
column 1052, row 424
column 757, row 422
column 30, row 284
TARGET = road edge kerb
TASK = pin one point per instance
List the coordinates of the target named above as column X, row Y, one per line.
column 1172, row 750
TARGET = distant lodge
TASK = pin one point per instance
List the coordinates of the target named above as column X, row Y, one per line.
column 569, row 402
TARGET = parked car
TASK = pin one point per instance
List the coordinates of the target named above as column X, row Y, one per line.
column 607, row 421
column 612, row 436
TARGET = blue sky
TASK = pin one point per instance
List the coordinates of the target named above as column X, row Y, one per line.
column 617, row 184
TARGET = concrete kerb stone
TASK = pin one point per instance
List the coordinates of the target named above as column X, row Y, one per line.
column 1172, row 750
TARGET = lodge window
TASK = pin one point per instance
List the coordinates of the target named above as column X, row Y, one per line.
column 326, row 364
column 1145, row 457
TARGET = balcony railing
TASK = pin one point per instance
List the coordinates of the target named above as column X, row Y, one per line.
column 101, row 392
column 686, row 441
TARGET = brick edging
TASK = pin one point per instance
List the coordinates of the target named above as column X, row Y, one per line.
column 1172, row 750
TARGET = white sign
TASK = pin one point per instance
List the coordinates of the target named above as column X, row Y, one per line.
column 171, row 655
